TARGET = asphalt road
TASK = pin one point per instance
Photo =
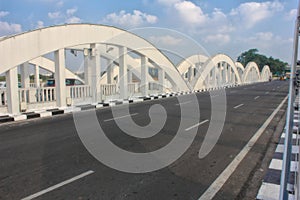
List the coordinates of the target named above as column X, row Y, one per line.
column 47, row 154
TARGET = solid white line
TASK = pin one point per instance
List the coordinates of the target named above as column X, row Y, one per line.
column 107, row 120
column 183, row 103
column 235, row 107
column 58, row 185
column 196, row 125
column 256, row 97
column 223, row 177
column 267, row 92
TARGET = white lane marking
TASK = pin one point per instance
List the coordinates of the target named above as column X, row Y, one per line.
column 196, row 125
column 215, row 96
column 58, row 185
column 183, row 103
column 107, row 120
column 223, row 177
column 267, row 92
column 235, row 107
column 256, row 97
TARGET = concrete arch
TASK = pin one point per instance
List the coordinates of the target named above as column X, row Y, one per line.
column 265, row 73
column 50, row 39
column 48, row 65
column 210, row 65
column 240, row 67
column 249, row 76
column 184, row 65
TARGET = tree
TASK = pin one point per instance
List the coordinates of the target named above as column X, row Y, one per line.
column 276, row 65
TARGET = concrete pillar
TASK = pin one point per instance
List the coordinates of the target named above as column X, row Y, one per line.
column 129, row 76
column 37, row 76
column 87, row 67
column 25, row 79
column 161, row 79
column 96, row 73
column 109, row 71
column 12, row 91
column 123, row 84
column 144, row 75
column 60, row 82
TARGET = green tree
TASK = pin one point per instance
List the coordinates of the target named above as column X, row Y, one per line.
column 276, row 65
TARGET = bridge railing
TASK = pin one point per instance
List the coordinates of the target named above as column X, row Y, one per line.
column 109, row 89
column 153, row 86
column 3, row 97
column 37, row 95
column 79, row 91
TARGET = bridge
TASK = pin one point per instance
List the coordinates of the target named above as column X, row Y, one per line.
column 204, row 128
column 128, row 56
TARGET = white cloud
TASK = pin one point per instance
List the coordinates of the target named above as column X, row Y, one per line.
column 264, row 36
column 168, row 2
column 60, row 4
column 292, row 14
column 40, row 24
column 71, row 11
column 165, row 40
column 3, row 13
column 190, row 13
column 252, row 13
column 73, row 20
column 7, row 28
column 219, row 39
column 137, row 18
column 54, row 15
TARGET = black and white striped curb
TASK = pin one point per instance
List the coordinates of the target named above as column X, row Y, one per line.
column 270, row 187
column 57, row 111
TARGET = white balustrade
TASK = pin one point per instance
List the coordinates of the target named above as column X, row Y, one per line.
column 109, row 89
column 37, row 95
column 153, row 86
column 79, row 91
column 3, row 97
column 132, row 88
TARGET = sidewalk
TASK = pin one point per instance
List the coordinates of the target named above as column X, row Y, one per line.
column 270, row 187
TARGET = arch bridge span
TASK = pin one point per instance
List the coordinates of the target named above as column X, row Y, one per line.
column 134, row 67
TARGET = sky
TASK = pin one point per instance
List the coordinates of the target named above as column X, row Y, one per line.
column 229, row 26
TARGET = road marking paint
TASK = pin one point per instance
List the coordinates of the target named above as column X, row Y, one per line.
column 256, row 97
column 235, row 107
column 58, row 185
column 107, row 120
column 196, row 125
column 215, row 96
column 183, row 103
column 224, row 176
column 267, row 92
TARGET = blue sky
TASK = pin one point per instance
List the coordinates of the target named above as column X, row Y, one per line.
column 230, row 26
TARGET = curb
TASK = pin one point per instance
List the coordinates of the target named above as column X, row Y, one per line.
column 59, row 111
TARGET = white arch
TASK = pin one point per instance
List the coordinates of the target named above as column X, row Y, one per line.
column 184, row 65
column 211, row 64
column 46, row 40
column 265, row 73
column 240, row 67
column 249, row 68
column 48, row 65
